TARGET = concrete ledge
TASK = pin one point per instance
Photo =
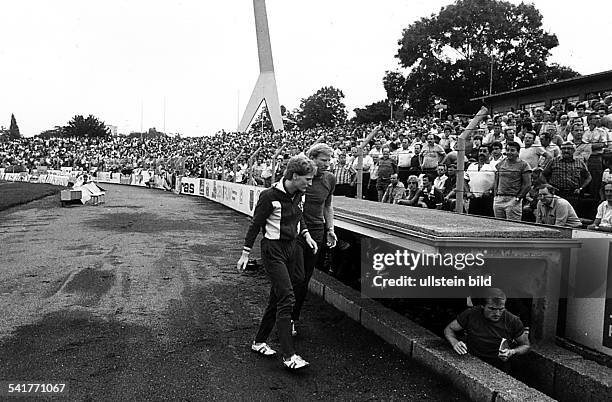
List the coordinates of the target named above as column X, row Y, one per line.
column 565, row 375
column 478, row 380
column 581, row 379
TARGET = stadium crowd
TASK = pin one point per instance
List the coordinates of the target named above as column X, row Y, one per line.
column 412, row 162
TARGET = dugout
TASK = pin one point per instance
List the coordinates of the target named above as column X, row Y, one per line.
column 571, row 90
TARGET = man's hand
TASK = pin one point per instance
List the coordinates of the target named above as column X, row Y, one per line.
column 331, row 239
column 311, row 243
column 505, row 354
column 243, row 261
column 460, row 348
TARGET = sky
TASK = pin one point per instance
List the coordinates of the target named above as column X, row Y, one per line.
column 190, row 66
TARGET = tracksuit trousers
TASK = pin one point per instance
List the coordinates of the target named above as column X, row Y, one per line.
column 306, row 261
column 279, row 260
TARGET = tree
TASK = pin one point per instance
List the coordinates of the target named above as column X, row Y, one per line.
column 80, row 126
column 394, row 83
column 324, row 108
column 450, row 55
column 56, row 132
column 373, row 113
column 264, row 116
column 14, row 129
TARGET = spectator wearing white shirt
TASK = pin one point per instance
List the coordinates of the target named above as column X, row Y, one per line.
column 440, row 180
column 603, row 219
column 404, row 157
column 480, row 179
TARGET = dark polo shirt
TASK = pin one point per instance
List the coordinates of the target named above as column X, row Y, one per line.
column 318, row 196
column 484, row 336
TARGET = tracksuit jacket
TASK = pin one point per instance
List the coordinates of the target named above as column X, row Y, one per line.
column 278, row 214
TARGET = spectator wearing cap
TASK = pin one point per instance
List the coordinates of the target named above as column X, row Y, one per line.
column 512, row 182
column 554, row 210
column 568, row 174
column 603, row 219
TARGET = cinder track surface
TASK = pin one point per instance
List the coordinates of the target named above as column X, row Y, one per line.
column 139, row 299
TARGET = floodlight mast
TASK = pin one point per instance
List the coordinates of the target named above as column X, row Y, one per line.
column 265, row 88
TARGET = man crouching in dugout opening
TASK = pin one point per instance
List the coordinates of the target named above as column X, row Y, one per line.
column 491, row 331
column 279, row 214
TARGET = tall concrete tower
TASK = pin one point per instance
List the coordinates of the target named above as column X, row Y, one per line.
column 265, row 88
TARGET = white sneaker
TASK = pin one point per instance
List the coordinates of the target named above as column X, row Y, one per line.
column 263, row 349
column 293, row 330
column 295, row 362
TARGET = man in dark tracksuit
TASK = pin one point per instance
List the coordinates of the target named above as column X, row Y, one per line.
column 319, row 218
column 279, row 214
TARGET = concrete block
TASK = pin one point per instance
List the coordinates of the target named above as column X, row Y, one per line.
column 478, row 380
column 582, row 380
column 374, row 320
column 343, row 303
column 537, row 369
column 316, row 287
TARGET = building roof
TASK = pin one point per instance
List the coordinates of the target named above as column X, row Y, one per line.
column 534, row 88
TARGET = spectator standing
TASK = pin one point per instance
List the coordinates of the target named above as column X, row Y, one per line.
column 480, row 179
column 404, row 157
column 344, row 175
column 319, row 219
column 531, row 153
column 597, row 137
column 431, row 156
column 569, row 175
column 496, row 155
column 512, row 181
column 372, row 193
column 582, row 148
column 386, row 167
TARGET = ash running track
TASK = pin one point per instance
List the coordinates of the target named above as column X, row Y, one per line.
column 139, row 299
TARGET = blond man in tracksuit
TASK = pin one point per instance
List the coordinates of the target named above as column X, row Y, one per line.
column 279, row 214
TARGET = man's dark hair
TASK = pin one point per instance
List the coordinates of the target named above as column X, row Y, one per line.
column 513, row 144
